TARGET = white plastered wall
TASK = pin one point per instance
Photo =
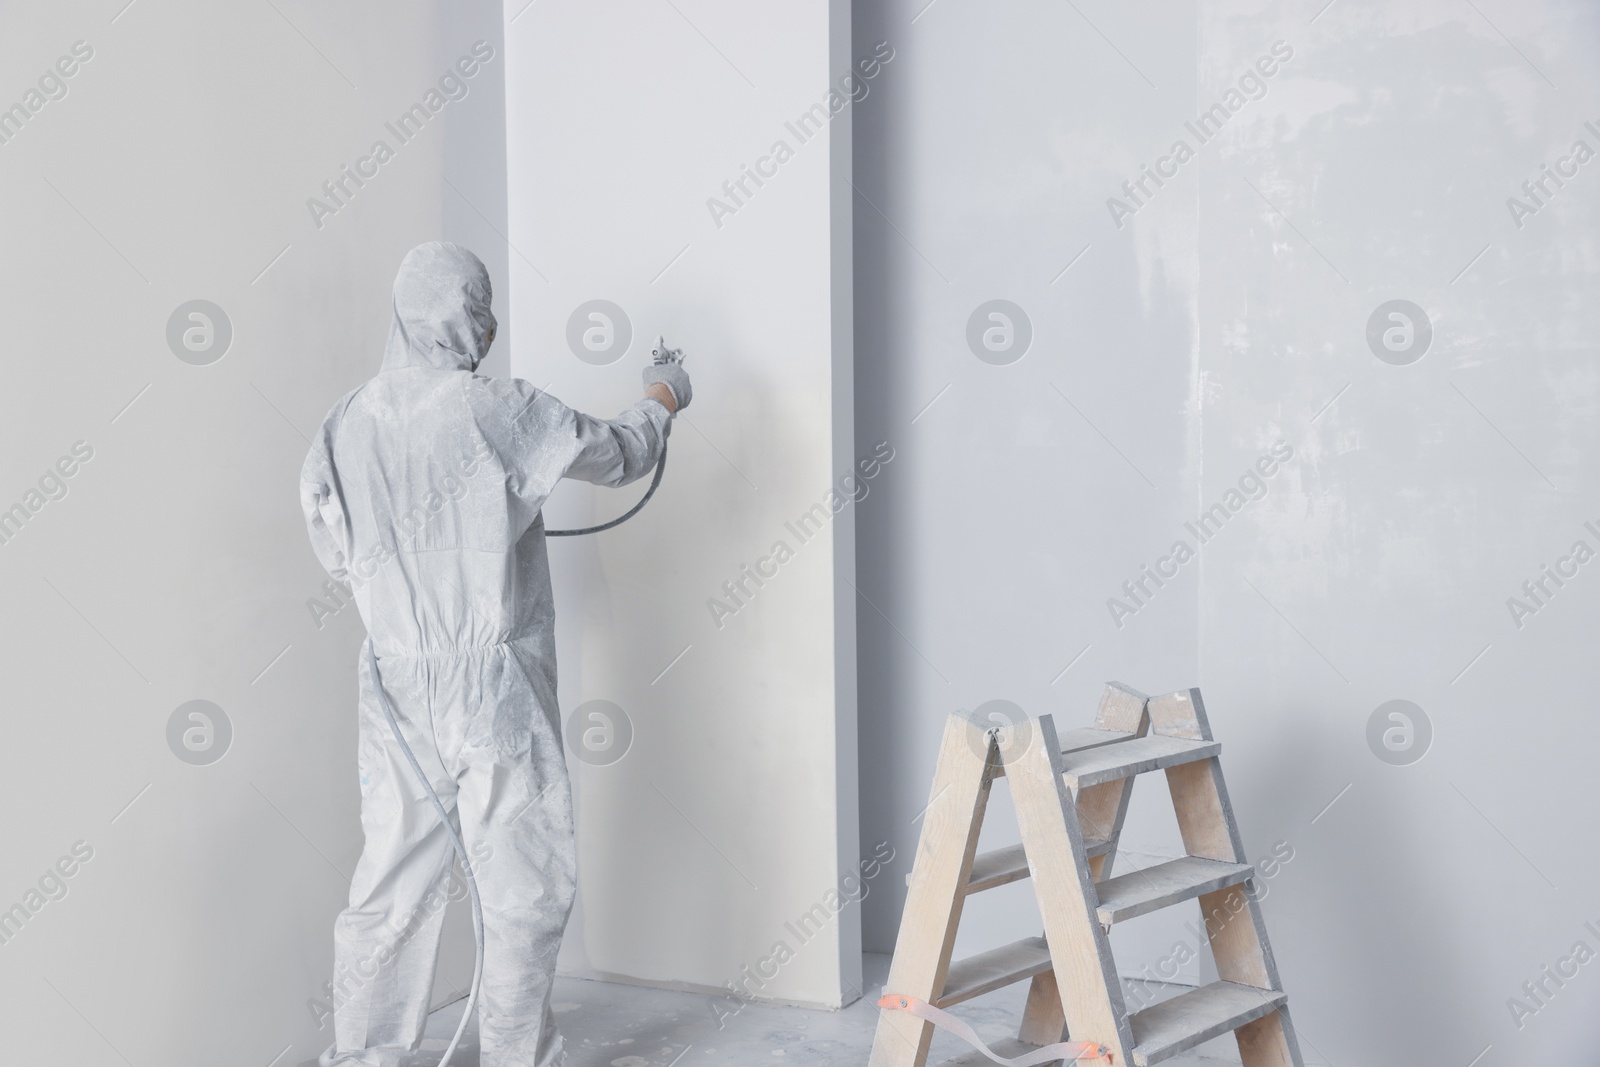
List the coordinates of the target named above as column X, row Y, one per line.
column 732, row 815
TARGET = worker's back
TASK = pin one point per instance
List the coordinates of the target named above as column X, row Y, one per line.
column 423, row 488
column 441, row 481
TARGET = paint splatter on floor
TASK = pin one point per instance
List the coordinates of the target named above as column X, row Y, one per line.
column 610, row 1025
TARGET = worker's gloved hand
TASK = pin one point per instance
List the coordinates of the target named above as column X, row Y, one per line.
column 668, row 370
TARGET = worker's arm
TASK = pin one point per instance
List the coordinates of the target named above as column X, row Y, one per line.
column 538, row 440
column 617, row 451
column 659, row 391
column 322, row 503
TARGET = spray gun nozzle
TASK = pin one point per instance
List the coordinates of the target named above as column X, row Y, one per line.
column 663, row 354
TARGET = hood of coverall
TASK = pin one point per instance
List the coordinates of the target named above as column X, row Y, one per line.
column 441, row 310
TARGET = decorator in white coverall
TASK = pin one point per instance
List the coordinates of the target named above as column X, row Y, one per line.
column 423, row 492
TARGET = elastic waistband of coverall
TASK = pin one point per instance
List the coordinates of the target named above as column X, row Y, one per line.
column 457, row 651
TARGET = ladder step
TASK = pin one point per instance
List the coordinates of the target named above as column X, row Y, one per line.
column 1080, row 741
column 1124, row 759
column 999, row 967
column 1166, row 1029
column 1089, row 737
column 1165, row 884
column 1010, row 864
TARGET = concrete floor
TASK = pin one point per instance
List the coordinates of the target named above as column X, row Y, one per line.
column 612, row 1025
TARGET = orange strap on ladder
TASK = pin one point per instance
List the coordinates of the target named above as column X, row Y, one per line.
column 1061, row 1050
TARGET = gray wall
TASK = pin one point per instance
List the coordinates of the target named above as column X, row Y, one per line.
column 1025, row 493
column 178, row 166
column 1228, row 314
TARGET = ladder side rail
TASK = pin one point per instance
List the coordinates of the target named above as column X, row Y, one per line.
column 1234, row 924
column 943, row 863
column 1101, row 811
column 1085, row 972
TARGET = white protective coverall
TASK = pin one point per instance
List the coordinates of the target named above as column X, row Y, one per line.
column 422, row 491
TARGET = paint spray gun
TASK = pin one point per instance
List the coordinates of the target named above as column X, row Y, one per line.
column 661, row 354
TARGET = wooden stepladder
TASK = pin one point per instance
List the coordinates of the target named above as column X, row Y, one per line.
column 1071, row 794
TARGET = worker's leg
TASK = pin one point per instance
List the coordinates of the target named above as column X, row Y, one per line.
column 515, row 806
column 387, row 941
